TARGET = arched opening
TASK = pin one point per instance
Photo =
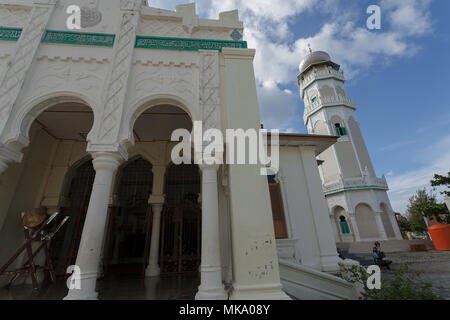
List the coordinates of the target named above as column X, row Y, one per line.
column 130, row 220
column 64, row 247
column 181, row 220
column 50, row 176
column 345, row 228
column 342, row 225
column 366, row 222
column 388, row 228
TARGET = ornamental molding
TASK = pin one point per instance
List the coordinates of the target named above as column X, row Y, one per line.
column 68, row 75
column 15, row 17
column 79, row 38
column 73, row 59
column 21, row 59
column 180, row 81
column 188, row 44
column 209, row 90
column 131, row 5
column 142, row 42
column 122, row 65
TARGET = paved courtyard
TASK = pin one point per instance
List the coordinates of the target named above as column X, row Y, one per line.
column 434, row 267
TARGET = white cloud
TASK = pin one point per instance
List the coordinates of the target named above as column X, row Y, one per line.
column 280, row 109
column 410, row 17
column 434, row 159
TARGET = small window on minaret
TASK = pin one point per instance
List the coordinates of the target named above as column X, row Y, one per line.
column 314, row 99
column 340, row 131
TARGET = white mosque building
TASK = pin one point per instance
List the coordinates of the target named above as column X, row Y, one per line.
column 86, row 118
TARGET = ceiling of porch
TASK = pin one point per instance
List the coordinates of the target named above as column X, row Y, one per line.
column 73, row 121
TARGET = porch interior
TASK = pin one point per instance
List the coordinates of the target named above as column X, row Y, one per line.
column 115, row 287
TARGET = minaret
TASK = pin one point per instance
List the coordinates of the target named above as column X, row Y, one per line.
column 355, row 195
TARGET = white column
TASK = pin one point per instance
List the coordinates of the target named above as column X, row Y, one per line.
column 447, row 201
column 355, row 226
column 105, row 165
column 320, row 212
column 381, row 231
column 153, row 267
column 211, row 287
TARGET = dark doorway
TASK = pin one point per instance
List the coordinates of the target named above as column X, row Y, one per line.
column 130, row 222
column 64, row 247
column 181, row 221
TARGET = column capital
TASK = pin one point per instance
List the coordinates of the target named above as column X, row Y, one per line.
column 159, row 170
column 157, row 199
column 106, row 160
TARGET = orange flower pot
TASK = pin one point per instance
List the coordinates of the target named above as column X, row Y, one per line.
column 440, row 234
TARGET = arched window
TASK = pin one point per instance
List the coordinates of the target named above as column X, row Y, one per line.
column 340, row 131
column 345, row 229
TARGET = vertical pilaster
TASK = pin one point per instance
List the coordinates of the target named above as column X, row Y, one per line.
column 320, row 211
column 380, row 226
column 121, row 68
column 21, row 59
column 88, row 258
column 211, row 286
column 256, row 272
column 354, row 226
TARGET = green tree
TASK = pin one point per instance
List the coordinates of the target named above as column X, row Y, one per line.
column 404, row 224
column 442, row 181
column 432, row 209
column 415, row 215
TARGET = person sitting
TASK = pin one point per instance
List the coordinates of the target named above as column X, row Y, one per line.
column 379, row 257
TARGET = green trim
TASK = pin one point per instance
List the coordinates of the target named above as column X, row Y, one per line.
column 356, row 188
column 164, row 43
column 79, row 38
column 142, row 42
column 10, row 34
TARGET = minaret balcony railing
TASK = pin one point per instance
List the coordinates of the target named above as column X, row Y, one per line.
column 317, row 74
column 328, row 102
column 352, row 184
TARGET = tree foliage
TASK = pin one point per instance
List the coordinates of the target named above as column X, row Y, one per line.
column 404, row 286
column 442, row 181
column 415, row 215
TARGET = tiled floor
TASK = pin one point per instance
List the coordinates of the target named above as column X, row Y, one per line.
column 123, row 287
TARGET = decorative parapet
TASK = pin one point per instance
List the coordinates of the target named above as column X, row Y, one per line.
column 320, row 102
column 356, row 184
column 317, row 74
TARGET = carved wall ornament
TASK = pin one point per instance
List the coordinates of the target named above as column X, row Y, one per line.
column 119, row 77
column 90, row 17
column 21, row 60
column 209, row 92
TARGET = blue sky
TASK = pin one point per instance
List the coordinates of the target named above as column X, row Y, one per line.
column 399, row 76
